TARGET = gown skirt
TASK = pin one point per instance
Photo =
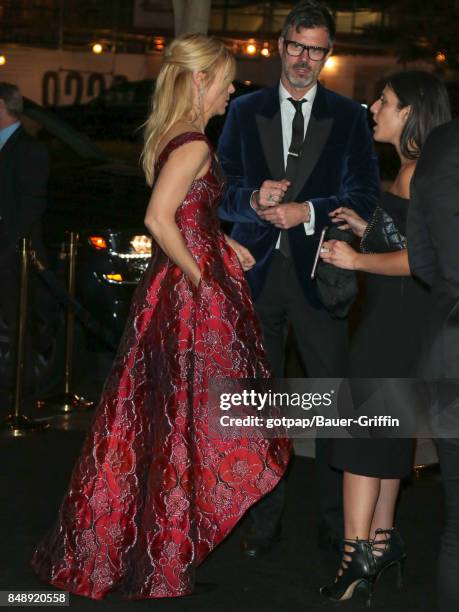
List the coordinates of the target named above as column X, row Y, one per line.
column 151, row 494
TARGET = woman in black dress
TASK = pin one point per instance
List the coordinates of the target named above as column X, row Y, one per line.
column 387, row 343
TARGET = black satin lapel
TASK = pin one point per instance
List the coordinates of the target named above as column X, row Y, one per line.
column 314, row 142
column 270, row 131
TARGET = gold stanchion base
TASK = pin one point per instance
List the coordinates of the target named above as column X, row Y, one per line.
column 66, row 402
column 16, row 426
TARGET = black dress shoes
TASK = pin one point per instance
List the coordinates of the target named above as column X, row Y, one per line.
column 255, row 544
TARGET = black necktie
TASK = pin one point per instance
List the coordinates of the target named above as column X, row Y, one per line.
column 293, row 156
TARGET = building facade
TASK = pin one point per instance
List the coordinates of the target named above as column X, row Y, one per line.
column 67, row 51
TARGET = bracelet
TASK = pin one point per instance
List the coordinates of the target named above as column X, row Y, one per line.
column 251, row 202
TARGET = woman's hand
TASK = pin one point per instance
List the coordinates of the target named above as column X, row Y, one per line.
column 243, row 254
column 339, row 254
column 352, row 220
column 195, row 280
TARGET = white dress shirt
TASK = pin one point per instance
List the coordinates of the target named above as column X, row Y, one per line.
column 7, row 133
column 287, row 114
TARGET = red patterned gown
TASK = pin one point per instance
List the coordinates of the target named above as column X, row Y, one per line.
column 151, row 495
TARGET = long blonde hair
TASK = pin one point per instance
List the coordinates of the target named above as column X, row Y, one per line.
column 174, row 98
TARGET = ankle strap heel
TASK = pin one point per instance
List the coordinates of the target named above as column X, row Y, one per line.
column 357, row 567
column 390, row 550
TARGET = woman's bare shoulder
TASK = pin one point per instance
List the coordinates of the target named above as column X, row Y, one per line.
column 401, row 185
column 176, row 130
column 189, row 157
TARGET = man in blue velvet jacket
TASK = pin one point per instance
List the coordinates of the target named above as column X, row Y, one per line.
column 292, row 153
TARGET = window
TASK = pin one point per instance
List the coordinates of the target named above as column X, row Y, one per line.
column 353, row 22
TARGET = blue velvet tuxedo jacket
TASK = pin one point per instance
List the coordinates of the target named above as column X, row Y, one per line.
column 338, row 167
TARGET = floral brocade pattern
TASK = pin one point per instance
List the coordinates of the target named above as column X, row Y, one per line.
column 151, row 495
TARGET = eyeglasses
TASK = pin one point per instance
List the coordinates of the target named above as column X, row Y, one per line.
column 295, row 49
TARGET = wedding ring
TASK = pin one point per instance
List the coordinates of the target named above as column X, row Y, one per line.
column 324, row 250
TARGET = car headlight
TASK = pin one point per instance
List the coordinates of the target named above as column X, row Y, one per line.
column 123, row 245
column 141, row 245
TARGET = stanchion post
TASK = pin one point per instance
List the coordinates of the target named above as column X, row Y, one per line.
column 17, row 424
column 70, row 319
column 68, row 401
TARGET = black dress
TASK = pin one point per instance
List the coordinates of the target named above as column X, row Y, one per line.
column 386, row 345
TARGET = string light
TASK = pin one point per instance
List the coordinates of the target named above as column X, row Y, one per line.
column 265, row 51
column 251, row 47
column 97, row 48
column 440, row 57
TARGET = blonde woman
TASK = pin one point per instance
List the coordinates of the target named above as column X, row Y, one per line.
column 151, row 494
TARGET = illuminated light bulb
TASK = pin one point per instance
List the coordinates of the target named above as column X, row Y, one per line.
column 251, row 49
column 331, row 63
column 141, row 244
column 2, row 60
column 440, row 57
column 265, row 52
column 97, row 48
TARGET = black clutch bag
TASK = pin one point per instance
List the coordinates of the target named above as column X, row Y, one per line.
column 336, row 288
column 381, row 234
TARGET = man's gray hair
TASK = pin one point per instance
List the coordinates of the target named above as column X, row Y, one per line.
column 310, row 14
column 12, row 98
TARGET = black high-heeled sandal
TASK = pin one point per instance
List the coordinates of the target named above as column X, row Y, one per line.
column 393, row 552
column 358, row 567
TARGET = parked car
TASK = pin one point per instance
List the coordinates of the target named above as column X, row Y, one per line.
column 120, row 111
column 102, row 199
column 117, row 113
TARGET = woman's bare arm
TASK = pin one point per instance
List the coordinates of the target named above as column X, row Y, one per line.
column 185, row 164
column 342, row 255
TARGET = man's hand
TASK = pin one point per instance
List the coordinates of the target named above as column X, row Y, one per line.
column 285, row 216
column 269, row 194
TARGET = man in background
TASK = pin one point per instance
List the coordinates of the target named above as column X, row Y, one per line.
column 23, row 199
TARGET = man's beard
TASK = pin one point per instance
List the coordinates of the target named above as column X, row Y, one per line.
column 301, row 82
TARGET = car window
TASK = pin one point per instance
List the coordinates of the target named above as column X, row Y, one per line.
column 60, row 153
column 125, row 94
column 118, row 96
